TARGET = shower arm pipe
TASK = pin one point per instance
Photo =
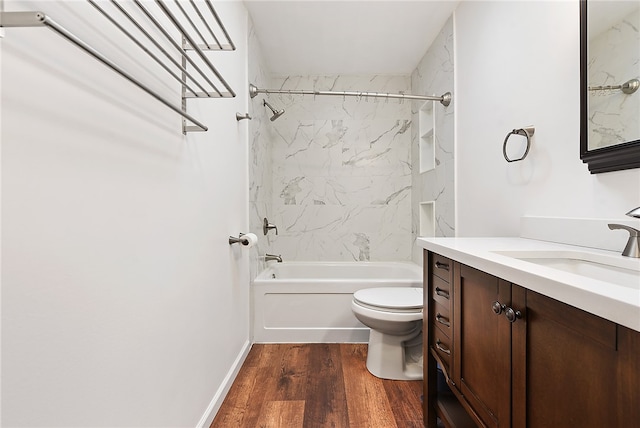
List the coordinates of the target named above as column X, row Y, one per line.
column 38, row 19
column 445, row 99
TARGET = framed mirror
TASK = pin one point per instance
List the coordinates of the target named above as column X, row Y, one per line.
column 609, row 80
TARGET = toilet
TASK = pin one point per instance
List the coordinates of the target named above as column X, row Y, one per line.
column 394, row 315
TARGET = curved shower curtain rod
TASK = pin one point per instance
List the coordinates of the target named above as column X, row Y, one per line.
column 445, row 99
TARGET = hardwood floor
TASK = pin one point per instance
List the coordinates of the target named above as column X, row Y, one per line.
column 316, row 385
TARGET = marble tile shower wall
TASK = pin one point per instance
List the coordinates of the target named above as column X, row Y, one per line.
column 260, row 169
column 434, row 75
column 341, row 171
column 613, row 54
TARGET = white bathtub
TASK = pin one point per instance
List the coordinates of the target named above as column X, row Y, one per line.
column 303, row 302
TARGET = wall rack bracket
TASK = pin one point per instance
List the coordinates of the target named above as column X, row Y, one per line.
column 202, row 79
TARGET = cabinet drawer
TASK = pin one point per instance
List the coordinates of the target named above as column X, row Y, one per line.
column 441, row 267
column 442, row 318
column 442, row 347
column 441, row 291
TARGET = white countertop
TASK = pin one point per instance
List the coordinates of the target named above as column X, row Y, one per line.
column 620, row 304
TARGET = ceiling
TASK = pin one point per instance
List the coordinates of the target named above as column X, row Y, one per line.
column 312, row 37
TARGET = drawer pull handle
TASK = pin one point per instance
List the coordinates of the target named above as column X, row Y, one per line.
column 441, row 265
column 443, row 293
column 442, row 348
column 442, row 320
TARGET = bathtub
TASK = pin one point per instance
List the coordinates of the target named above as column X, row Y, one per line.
column 305, row 302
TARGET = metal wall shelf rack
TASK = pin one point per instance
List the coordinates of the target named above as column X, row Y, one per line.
column 192, row 22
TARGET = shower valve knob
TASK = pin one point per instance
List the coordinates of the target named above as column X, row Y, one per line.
column 266, row 226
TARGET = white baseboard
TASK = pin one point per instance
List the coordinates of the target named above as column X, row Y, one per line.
column 221, row 393
column 311, row 335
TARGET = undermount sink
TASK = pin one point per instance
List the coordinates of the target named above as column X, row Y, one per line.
column 614, row 269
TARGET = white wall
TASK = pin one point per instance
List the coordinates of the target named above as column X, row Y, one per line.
column 122, row 302
column 517, row 64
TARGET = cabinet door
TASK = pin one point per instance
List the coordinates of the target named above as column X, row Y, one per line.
column 564, row 366
column 482, row 339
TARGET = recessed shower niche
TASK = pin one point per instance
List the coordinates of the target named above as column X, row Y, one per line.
column 427, row 128
column 427, row 219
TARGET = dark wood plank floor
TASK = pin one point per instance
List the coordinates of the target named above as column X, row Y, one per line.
column 316, row 385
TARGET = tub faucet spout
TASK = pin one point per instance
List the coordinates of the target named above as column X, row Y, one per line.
column 270, row 257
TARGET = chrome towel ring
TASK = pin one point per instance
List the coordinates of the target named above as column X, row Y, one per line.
column 526, row 132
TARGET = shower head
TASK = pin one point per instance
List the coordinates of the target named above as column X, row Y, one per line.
column 276, row 113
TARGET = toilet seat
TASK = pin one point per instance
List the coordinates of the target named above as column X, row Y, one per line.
column 391, row 299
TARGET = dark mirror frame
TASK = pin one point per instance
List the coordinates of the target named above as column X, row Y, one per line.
column 606, row 159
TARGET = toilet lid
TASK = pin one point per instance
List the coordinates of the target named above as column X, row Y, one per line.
column 401, row 298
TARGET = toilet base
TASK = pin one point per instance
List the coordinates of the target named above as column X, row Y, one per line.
column 395, row 357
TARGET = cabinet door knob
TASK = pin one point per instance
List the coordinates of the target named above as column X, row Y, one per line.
column 497, row 307
column 512, row 315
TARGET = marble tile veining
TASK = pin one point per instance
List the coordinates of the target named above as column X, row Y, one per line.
column 435, row 75
column 260, row 154
column 341, row 181
column 613, row 59
column 341, row 171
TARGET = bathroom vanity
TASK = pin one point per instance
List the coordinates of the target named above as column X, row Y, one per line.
column 525, row 339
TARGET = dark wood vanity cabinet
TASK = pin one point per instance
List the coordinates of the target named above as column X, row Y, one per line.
column 482, row 361
column 519, row 359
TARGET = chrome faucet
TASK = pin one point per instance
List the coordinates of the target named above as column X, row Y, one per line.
column 632, row 249
column 270, row 257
